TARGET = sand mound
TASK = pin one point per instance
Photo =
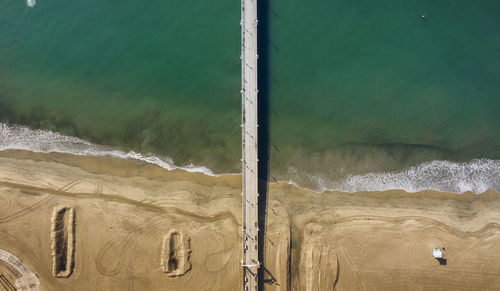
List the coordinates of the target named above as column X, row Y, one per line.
column 176, row 253
column 63, row 242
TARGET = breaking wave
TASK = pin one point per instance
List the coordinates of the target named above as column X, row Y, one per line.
column 16, row 137
column 476, row 176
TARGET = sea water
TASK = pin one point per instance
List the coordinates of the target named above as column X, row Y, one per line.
column 360, row 95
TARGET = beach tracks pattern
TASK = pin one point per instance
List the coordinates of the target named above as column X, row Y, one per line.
column 125, row 230
column 117, row 242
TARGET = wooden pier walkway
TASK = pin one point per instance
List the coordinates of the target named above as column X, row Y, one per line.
column 250, row 230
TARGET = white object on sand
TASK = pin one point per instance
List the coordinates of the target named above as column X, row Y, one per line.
column 437, row 253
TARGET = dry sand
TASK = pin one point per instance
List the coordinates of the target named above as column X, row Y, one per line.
column 140, row 227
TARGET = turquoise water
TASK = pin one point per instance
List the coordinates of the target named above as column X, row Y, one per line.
column 355, row 87
column 148, row 75
column 363, row 86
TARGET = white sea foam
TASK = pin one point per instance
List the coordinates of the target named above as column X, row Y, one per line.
column 476, row 176
column 15, row 137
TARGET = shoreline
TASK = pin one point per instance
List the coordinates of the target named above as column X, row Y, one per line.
column 130, row 168
column 145, row 183
column 124, row 208
column 140, row 167
column 477, row 175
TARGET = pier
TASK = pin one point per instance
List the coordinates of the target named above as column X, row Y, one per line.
column 250, row 230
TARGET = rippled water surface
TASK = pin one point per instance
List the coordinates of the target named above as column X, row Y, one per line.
column 359, row 92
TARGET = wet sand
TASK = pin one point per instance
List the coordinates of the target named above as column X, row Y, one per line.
column 124, row 212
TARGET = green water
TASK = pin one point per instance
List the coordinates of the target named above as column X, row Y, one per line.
column 360, row 86
column 354, row 86
column 148, row 75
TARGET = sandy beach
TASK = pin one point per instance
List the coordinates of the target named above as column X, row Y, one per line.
column 140, row 227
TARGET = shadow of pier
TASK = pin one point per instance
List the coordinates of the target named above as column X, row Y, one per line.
column 264, row 127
